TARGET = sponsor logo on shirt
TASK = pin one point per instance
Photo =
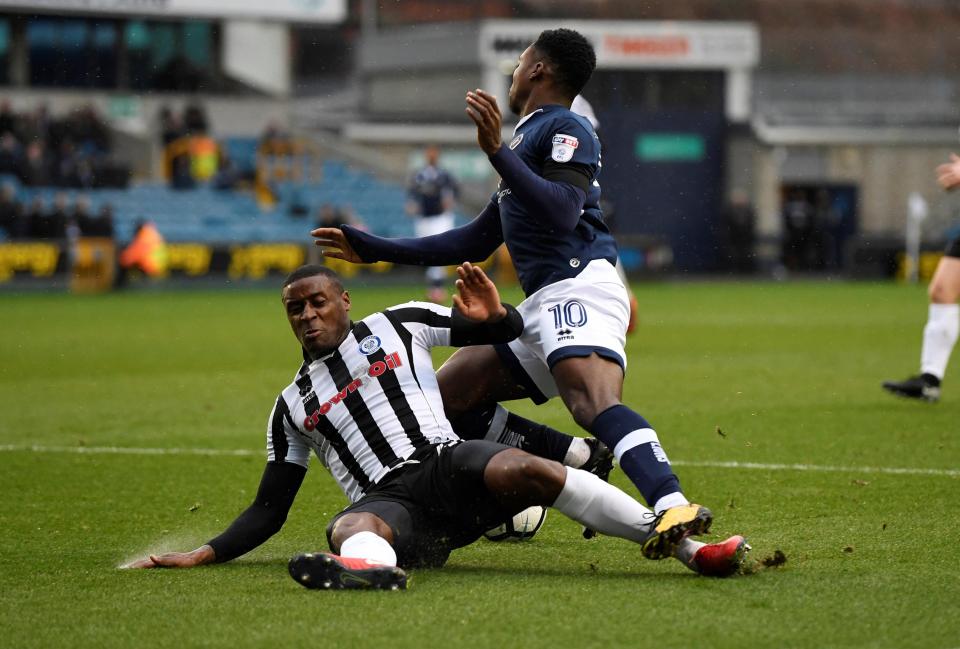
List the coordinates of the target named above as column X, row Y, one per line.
column 390, row 363
column 516, row 141
column 564, row 147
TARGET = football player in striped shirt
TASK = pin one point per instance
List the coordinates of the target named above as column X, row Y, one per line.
column 366, row 402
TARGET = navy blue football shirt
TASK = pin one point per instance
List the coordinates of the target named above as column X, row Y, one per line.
column 551, row 136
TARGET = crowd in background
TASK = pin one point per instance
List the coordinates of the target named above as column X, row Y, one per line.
column 72, row 150
column 54, row 221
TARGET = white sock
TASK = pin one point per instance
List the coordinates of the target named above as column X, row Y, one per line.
column 676, row 499
column 686, row 550
column 600, row 506
column 578, row 453
column 369, row 546
column 939, row 337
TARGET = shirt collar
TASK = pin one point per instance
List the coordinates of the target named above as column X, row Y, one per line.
column 526, row 117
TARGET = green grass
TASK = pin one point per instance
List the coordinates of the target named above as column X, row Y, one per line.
column 789, row 372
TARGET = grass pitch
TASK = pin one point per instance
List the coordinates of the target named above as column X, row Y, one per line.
column 788, row 373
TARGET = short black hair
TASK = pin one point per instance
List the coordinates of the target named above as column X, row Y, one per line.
column 309, row 270
column 572, row 56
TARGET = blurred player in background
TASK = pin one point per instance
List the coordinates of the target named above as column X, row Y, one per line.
column 943, row 319
column 365, row 400
column 547, row 211
column 432, row 198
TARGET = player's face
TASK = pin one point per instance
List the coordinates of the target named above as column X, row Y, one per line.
column 520, row 88
column 318, row 313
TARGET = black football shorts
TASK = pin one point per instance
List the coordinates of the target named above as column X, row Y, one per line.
column 953, row 247
column 436, row 505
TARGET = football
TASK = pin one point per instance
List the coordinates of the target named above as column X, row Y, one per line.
column 522, row 526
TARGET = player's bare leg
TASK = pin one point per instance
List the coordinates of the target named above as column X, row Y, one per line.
column 939, row 335
column 474, row 376
column 591, row 388
column 473, row 382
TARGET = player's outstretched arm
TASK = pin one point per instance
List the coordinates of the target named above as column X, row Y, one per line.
column 262, row 519
column 474, row 241
column 477, row 297
column 948, row 174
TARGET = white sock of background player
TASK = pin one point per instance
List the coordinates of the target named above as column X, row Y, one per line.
column 939, row 337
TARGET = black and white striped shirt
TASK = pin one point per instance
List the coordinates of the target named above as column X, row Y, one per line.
column 368, row 405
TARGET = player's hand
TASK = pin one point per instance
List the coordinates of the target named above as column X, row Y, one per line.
column 483, row 110
column 201, row 556
column 477, row 297
column 335, row 244
column 948, row 174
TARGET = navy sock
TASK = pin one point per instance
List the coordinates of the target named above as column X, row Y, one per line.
column 497, row 424
column 638, row 451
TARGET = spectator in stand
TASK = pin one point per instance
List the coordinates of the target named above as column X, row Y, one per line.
column 273, row 135
column 228, row 176
column 171, row 127
column 12, row 222
column 47, row 225
column 195, row 120
column 88, row 131
column 102, row 225
column 34, row 215
column 8, row 119
column 82, row 215
column 11, row 155
column 59, row 215
column 36, row 169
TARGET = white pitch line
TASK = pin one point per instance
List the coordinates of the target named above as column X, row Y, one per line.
column 952, row 473
column 129, row 450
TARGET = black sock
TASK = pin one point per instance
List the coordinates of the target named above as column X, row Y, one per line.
column 497, row 424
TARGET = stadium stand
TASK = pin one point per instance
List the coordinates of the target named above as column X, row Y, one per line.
column 205, row 215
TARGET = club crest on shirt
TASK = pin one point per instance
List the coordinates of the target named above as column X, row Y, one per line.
column 369, row 345
column 515, row 142
column 563, row 147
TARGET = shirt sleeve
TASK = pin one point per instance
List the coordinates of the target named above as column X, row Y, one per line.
column 265, row 516
column 438, row 326
column 284, row 444
column 474, row 241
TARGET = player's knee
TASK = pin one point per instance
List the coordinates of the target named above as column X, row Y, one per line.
column 521, row 477
column 941, row 293
column 349, row 524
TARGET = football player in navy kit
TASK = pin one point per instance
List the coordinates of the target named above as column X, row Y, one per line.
column 546, row 210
